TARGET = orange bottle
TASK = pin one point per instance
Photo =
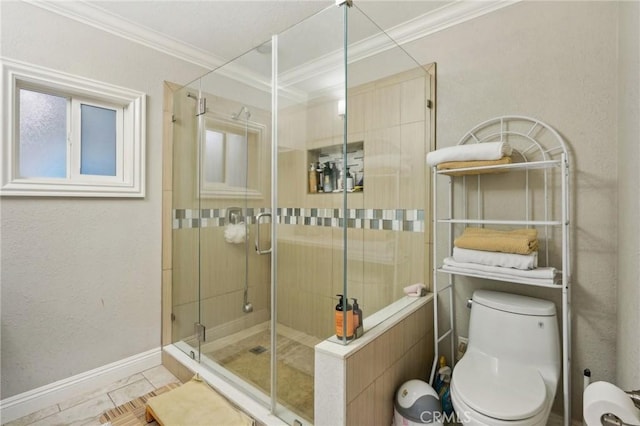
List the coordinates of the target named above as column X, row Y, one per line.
column 344, row 319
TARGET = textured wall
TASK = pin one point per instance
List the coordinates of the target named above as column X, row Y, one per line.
column 628, row 345
column 81, row 277
column 555, row 61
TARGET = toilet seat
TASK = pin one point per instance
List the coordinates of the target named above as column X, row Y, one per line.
column 498, row 389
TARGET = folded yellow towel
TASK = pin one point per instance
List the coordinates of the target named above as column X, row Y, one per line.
column 519, row 241
column 451, row 166
column 194, row 403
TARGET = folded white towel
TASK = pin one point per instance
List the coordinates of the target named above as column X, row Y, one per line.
column 415, row 290
column 544, row 275
column 495, row 258
column 469, row 152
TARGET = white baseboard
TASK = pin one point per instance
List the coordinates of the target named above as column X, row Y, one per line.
column 45, row 396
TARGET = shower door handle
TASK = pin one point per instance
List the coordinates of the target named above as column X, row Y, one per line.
column 258, row 220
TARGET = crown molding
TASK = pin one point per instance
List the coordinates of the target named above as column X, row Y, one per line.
column 89, row 14
column 97, row 17
column 436, row 20
column 422, row 26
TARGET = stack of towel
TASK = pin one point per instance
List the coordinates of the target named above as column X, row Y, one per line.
column 506, row 255
column 472, row 155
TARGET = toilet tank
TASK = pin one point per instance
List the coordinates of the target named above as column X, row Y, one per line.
column 518, row 328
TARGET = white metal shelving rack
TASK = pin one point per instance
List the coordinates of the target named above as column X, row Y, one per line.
column 539, row 153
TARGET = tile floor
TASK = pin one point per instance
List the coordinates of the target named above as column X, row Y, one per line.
column 86, row 409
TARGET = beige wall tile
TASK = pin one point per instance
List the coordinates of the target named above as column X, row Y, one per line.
column 385, row 107
column 413, row 100
column 361, row 371
column 383, row 397
column 361, row 411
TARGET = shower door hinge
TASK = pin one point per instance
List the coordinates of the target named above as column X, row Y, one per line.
column 202, row 106
column 429, row 104
column 200, row 331
column 173, row 317
column 173, row 118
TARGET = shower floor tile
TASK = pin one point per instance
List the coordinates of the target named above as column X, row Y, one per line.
column 249, row 358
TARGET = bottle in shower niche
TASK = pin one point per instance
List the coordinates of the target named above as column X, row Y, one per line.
column 313, row 179
column 320, row 175
column 328, row 178
column 358, row 329
column 349, row 181
column 344, row 319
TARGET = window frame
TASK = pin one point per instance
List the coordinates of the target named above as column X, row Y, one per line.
column 256, row 187
column 130, row 106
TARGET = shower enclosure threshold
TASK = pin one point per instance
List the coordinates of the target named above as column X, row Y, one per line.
column 232, row 388
column 245, row 391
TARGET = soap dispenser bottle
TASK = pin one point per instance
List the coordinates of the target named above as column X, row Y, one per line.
column 357, row 319
column 344, row 320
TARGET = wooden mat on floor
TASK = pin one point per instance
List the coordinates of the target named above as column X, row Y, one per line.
column 132, row 413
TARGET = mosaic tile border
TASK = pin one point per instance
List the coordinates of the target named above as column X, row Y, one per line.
column 410, row 220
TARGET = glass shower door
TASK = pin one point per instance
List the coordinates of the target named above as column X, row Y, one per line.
column 221, row 222
column 185, row 309
column 235, row 192
column 309, row 234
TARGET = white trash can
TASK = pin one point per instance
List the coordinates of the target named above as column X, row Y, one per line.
column 417, row 403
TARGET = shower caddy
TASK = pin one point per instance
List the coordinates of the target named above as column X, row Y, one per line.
column 541, row 155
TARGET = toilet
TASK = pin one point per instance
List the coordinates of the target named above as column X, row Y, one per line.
column 510, row 371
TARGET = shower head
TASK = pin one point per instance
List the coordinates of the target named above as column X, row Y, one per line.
column 238, row 114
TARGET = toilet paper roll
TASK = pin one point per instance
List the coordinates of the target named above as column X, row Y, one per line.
column 601, row 398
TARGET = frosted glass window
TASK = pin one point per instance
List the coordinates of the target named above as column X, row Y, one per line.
column 66, row 135
column 214, row 157
column 42, row 135
column 225, row 159
column 236, row 160
column 98, row 139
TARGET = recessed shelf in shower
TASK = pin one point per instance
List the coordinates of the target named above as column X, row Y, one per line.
column 333, row 155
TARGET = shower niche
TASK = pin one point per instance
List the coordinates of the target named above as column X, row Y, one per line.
column 242, row 139
column 327, row 169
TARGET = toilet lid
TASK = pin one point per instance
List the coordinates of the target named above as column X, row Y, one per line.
column 498, row 389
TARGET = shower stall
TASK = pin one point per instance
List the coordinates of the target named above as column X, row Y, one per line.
column 297, row 174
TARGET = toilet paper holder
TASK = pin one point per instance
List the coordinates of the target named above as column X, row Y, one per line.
column 610, row 419
column 635, row 397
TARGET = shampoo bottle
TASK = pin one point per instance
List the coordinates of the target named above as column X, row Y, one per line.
column 313, row 179
column 344, row 320
column 357, row 319
column 328, row 178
